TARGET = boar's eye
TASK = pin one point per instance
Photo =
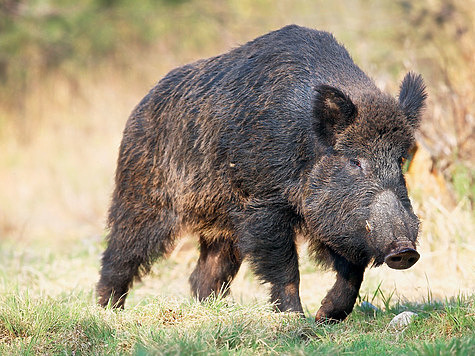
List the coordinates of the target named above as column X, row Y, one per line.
column 355, row 162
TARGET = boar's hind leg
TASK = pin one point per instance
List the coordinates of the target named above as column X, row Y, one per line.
column 217, row 266
column 117, row 275
column 340, row 300
column 267, row 238
column 133, row 245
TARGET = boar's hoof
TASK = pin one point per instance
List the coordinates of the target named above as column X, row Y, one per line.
column 402, row 259
column 325, row 318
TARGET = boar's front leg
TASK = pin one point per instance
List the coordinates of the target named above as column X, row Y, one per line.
column 266, row 237
column 340, row 300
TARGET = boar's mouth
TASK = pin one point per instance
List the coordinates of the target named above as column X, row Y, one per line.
column 402, row 259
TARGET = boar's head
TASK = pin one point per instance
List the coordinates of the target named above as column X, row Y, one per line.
column 356, row 202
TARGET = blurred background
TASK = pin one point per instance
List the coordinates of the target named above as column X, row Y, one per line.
column 72, row 71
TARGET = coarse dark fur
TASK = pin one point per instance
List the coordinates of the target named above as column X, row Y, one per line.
column 280, row 136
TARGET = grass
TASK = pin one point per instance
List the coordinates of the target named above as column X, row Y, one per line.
column 47, row 306
column 72, row 324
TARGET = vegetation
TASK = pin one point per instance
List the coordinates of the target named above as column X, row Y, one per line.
column 44, row 38
column 168, row 328
column 38, row 315
column 71, row 72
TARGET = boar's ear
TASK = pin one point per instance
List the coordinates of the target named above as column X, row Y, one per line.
column 333, row 111
column 412, row 96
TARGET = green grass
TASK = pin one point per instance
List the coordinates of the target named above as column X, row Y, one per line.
column 46, row 307
column 73, row 324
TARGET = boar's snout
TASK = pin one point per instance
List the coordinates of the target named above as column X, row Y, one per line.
column 394, row 230
column 402, row 259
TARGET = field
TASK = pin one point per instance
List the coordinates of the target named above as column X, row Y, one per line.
column 70, row 75
column 47, row 306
